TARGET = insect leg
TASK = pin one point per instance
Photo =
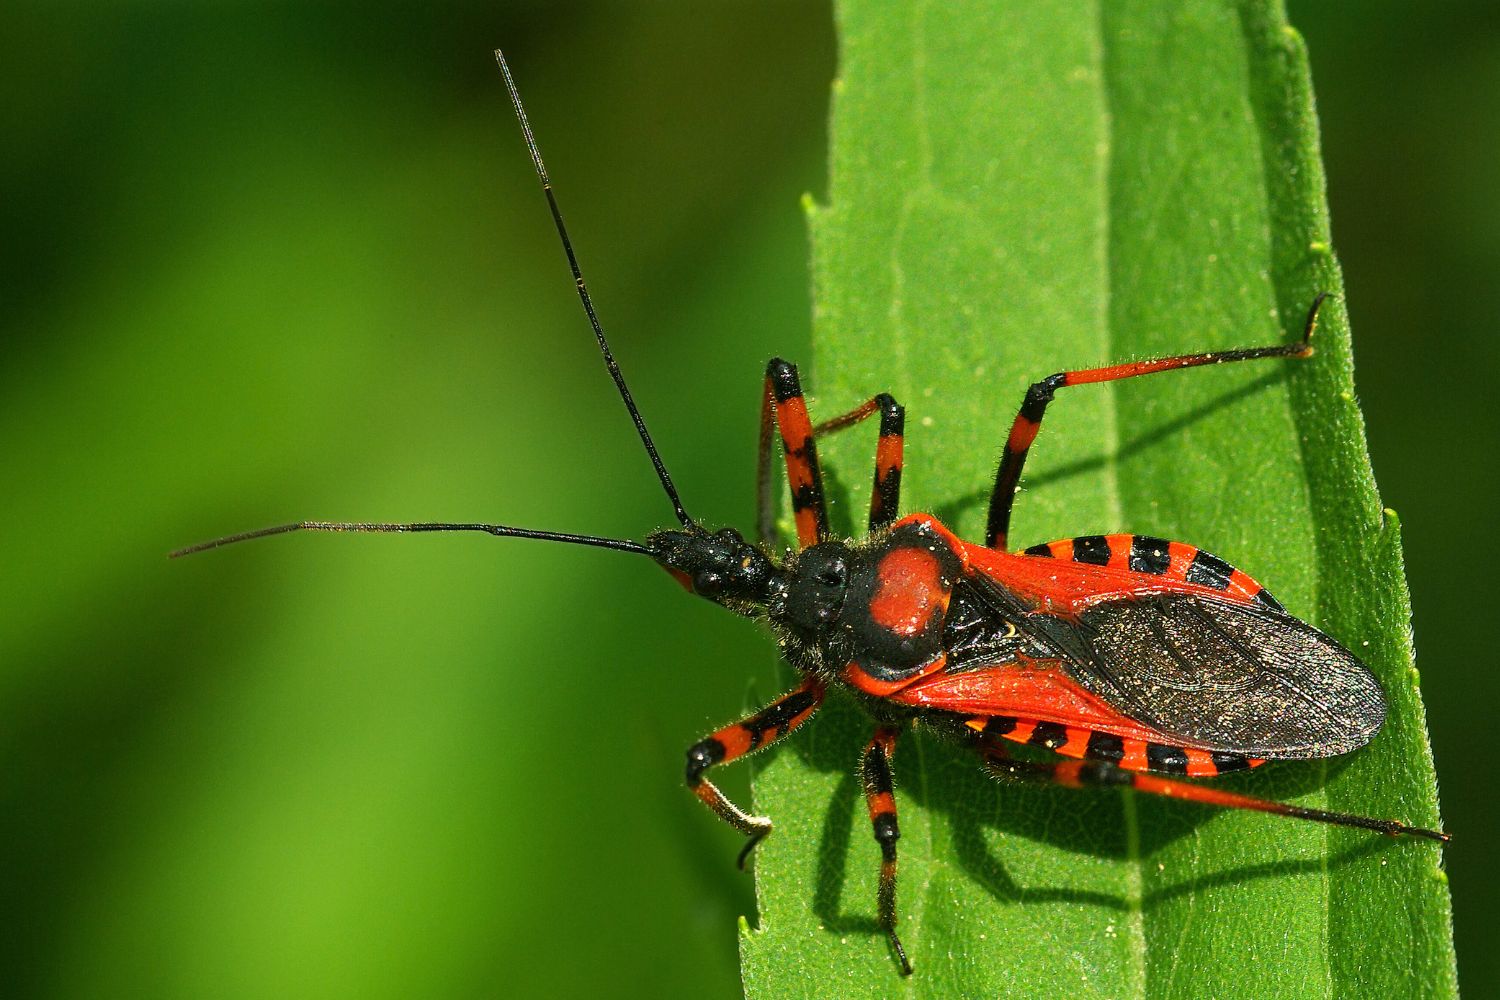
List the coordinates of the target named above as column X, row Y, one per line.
column 1029, row 420
column 885, row 498
column 1081, row 774
column 876, row 770
column 734, row 741
column 782, row 403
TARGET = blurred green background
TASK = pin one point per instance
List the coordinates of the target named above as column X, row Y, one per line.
column 266, row 262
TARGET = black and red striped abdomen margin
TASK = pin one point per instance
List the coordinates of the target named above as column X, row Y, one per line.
column 1127, row 753
column 1174, row 561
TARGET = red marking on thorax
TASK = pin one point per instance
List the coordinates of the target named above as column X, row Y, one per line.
column 909, row 590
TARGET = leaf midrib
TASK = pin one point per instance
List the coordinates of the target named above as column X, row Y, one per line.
column 1110, row 481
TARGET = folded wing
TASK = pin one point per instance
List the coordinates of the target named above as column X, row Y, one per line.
column 1224, row 675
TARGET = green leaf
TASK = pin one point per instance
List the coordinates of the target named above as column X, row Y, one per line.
column 1033, row 186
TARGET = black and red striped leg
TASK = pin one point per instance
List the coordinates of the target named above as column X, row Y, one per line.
column 1029, row 420
column 783, row 406
column 1083, row 773
column 885, row 494
column 880, row 798
column 734, row 741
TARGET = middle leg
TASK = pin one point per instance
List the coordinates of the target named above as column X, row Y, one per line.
column 882, row 804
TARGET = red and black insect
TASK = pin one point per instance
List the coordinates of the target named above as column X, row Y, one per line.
column 1137, row 660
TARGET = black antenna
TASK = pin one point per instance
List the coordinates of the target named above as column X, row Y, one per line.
column 494, row 529
column 505, row 531
column 583, row 295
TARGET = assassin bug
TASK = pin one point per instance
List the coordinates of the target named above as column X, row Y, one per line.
column 1136, row 660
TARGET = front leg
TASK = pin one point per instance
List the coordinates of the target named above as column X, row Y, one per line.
column 782, row 406
column 734, row 741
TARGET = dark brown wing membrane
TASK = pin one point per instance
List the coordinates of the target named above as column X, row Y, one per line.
column 1226, row 676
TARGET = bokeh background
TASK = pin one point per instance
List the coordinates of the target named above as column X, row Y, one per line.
column 261, row 262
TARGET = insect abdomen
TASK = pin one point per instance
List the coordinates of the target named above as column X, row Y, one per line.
column 1173, row 561
column 1123, row 752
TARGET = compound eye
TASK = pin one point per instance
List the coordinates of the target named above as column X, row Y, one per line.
column 835, row 575
column 708, row 583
